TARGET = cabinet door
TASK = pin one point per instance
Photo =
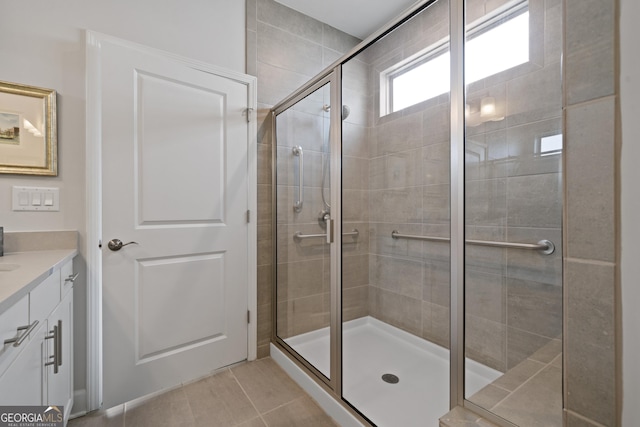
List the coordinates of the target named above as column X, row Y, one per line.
column 24, row 382
column 60, row 384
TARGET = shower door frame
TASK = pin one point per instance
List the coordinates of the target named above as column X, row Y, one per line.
column 331, row 76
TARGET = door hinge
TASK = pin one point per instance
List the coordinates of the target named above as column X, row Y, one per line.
column 248, row 111
column 248, row 215
column 248, row 316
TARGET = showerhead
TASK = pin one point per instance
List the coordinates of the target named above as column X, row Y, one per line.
column 345, row 110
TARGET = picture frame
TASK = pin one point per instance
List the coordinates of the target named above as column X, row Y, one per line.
column 28, row 130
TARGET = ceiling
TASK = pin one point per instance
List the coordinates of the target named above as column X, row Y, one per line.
column 360, row 18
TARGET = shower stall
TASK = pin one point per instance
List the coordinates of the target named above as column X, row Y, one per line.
column 417, row 196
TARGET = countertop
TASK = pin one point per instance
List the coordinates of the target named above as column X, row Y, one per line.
column 34, row 267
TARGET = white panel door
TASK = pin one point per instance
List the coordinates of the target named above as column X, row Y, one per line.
column 174, row 180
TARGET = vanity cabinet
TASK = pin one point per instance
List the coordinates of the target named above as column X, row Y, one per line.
column 39, row 371
column 60, row 352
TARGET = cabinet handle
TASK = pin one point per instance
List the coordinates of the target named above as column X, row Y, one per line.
column 59, row 348
column 27, row 330
column 55, row 336
column 72, row 278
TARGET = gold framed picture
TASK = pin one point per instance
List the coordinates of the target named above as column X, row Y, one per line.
column 28, row 131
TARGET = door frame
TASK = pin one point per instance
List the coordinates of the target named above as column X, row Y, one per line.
column 94, row 40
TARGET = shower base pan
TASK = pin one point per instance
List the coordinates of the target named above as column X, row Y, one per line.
column 415, row 387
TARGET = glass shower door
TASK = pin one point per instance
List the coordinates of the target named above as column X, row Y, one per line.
column 395, row 195
column 513, row 211
column 302, row 197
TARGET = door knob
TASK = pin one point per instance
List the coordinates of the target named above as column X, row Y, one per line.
column 116, row 244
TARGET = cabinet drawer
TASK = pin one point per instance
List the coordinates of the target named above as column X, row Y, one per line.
column 66, row 279
column 45, row 297
column 16, row 316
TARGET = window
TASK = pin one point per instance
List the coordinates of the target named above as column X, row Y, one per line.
column 550, row 145
column 495, row 45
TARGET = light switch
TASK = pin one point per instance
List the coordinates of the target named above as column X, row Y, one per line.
column 36, row 199
column 48, row 199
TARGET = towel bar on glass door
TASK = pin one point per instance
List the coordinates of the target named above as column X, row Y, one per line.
column 297, row 151
column 545, row 246
column 298, row 236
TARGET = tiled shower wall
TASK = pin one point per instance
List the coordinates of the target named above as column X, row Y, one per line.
column 285, row 49
column 591, row 281
column 409, row 191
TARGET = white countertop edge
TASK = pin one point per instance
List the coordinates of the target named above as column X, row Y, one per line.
column 35, row 267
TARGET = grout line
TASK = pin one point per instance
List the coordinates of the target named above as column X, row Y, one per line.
column 283, row 405
column 544, row 366
column 591, row 261
column 250, row 400
column 583, row 418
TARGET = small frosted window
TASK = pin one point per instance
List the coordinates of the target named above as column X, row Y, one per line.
column 504, row 46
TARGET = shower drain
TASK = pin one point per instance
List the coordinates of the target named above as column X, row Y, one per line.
column 390, row 378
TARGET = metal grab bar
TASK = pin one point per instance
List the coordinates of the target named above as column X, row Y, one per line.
column 298, row 236
column 297, row 151
column 545, row 246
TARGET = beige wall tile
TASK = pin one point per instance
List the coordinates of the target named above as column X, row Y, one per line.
column 590, row 74
column 302, row 55
column 534, row 96
column 486, row 202
column 590, row 341
column 537, row 403
column 522, row 345
column 534, row 265
column 588, row 22
column 289, row 20
column 485, row 342
column 252, row 52
column 535, row 201
column 575, row 420
column 591, row 181
column 534, row 307
column 485, row 296
column 489, row 396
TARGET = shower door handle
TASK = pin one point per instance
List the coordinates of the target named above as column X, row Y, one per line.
column 330, row 230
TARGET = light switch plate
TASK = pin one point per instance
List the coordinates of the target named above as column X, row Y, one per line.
column 36, row 199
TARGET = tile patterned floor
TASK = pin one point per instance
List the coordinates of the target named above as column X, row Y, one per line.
column 254, row 394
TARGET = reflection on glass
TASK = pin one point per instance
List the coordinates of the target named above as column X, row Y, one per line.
column 513, row 193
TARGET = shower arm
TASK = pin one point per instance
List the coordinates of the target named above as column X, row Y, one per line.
column 545, row 246
column 297, row 151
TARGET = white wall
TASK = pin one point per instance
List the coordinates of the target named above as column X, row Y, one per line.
column 42, row 44
column 630, row 103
